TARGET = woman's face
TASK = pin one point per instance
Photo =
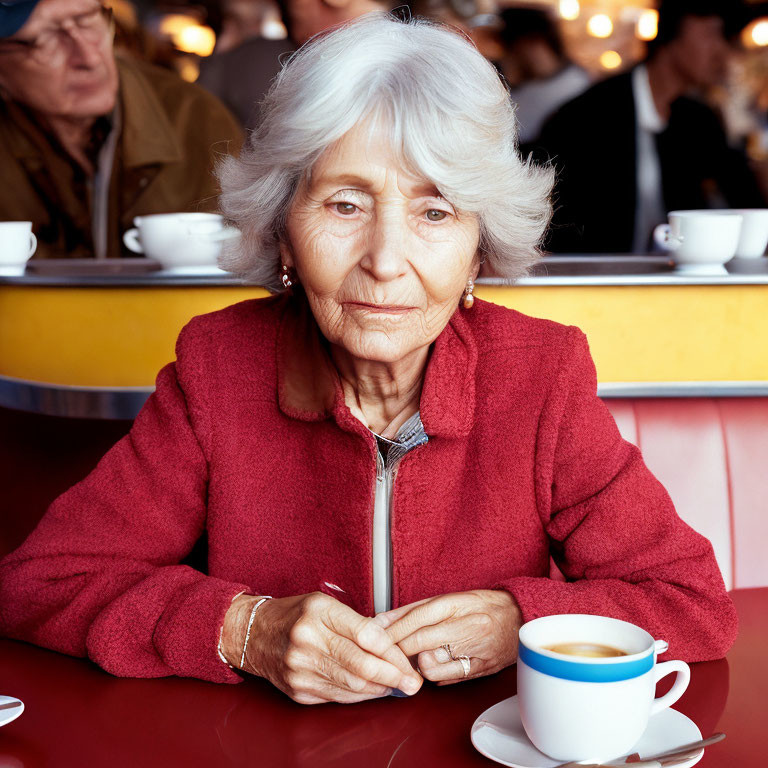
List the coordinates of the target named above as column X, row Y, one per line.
column 382, row 257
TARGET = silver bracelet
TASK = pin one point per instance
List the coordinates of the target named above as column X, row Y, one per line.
column 220, row 651
column 250, row 624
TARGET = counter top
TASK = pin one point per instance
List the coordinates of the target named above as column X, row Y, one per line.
column 76, row 714
column 91, row 344
column 612, row 269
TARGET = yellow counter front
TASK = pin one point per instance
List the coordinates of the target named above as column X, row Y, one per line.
column 653, row 332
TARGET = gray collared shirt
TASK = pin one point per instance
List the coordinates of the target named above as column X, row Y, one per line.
column 649, row 210
column 409, row 436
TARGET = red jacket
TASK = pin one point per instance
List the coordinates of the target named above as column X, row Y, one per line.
column 247, row 438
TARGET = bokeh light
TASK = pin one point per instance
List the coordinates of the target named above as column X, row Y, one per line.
column 610, row 60
column 600, row 25
column 648, row 25
column 760, row 33
column 188, row 35
column 569, row 9
column 196, row 38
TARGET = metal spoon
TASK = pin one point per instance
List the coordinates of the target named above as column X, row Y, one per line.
column 694, row 746
column 679, row 754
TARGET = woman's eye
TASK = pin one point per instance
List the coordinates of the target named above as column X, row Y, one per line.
column 433, row 214
column 345, row 209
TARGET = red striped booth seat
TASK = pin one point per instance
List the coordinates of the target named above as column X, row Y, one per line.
column 712, row 456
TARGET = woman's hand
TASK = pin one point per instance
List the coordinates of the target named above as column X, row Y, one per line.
column 481, row 624
column 316, row 649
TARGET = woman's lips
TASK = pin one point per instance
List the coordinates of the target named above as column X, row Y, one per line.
column 383, row 309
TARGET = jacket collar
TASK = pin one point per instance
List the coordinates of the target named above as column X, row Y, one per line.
column 309, row 388
column 147, row 133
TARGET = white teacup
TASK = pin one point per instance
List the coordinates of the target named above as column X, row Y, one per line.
column 17, row 244
column 700, row 241
column 754, row 232
column 179, row 240
column 578, row 707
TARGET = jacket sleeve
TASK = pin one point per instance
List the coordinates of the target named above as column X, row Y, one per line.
column 100, row 575
column 613, row 530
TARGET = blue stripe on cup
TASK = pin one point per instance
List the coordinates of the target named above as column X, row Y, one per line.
column 585, row 673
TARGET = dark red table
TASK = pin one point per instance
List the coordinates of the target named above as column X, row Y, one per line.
column 77, row 715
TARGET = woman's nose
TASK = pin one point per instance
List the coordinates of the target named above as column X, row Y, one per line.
column 386, row 248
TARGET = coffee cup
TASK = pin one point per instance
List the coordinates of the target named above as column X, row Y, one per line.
column 700, row 242
column 180, row 240
column 578, row 704
column 17, row 244
column 754, row 232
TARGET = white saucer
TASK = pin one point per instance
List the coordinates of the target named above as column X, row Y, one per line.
column 700, row 269
column 196, row 270
column 499, row 735
column 9, row 715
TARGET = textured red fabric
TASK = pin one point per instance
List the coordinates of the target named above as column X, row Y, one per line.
column 523, row 461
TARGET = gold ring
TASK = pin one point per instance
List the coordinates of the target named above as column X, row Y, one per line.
column 464, row 664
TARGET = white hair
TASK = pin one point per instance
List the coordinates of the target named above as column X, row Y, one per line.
column 449, row 118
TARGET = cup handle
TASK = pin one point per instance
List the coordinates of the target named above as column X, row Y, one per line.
column 131, row 240
column 664, row 239
column 678, row 689
column 32, row 244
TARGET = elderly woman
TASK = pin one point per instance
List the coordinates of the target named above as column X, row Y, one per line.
column 372, row 441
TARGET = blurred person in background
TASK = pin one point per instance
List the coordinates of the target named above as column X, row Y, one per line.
column 541, row 76
column 638, row 145
column 242, row 48
column 223, row 73
column 306, row 18
column 89, row 140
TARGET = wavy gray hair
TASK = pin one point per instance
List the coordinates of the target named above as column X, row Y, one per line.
column 450, row 120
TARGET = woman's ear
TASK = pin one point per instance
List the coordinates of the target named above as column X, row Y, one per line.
column 478, row 263
column 286, row 254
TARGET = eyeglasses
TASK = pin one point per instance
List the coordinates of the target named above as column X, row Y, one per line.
column 50, row 45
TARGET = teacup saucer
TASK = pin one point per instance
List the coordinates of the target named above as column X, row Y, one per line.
column 10, row 714
column 193, row 270
column 700, row 269
column 499, row 735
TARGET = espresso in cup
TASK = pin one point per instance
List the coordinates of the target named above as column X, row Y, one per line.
column 590, row 650
column 583, row 701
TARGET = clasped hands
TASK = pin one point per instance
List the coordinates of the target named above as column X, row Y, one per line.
column 316, row 649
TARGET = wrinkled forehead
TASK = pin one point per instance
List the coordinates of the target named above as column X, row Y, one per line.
column 369, row 154
column 49, row 13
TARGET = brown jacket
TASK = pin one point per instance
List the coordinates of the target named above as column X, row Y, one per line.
column 172, row 133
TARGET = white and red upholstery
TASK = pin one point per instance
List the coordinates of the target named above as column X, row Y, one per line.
column 712, row 456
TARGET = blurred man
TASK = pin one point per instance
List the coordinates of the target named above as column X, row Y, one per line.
column 306, row 18
column 636, row 146
column 541, row 76
column 222, row 73
column 241, row 48
column 88, row 141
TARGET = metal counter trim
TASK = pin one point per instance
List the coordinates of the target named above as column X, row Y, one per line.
column 682, row 389
column 72, row 402
column 125, row 402
column 555, row 270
